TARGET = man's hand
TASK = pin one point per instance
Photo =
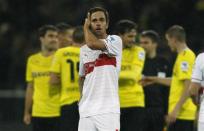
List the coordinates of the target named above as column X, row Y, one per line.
column 171, row 118
column 87, row 23
column 147, row 80
column 27, row 118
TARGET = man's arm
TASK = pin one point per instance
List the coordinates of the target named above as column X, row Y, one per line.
column 91, row 40
column 28, row 103
column 148, row 80
column 191, row 89
column 194, row 88
column 81, row 84
column 55, row 79
column 185, row 94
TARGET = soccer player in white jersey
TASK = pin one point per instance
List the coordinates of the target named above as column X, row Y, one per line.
column 100, row 61
column 197, row 83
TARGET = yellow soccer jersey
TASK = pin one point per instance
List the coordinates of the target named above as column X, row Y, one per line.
column 46, row 99
column 66, row 63
column 130, row 91
column 182, row 71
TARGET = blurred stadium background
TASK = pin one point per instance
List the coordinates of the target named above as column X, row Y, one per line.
column 19, row 20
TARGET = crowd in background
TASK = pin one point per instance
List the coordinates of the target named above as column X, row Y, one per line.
column 21, row 18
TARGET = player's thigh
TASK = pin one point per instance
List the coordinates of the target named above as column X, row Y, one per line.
column 69, row 117
column 200, row 126
column 38, row 124
column 53, row 124
column 107, row 122
column 132, row 118
column 182, row 125
column 86, row 124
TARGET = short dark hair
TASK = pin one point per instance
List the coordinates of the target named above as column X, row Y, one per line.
column 62, row 27
column 178, row 32
column 78, row 35
column 124, row 26
column 95, row 9
column 153, row 35
column 43, row 29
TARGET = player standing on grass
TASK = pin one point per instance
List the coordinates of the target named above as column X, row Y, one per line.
column 41, row 98
column 100, row 61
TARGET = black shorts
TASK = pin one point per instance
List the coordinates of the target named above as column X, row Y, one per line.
column 154, row 119
column 46, row 124
column 69, row 117
column 132, row 119
column 182, row 125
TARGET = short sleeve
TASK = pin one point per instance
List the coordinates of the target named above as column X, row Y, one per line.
column 185, row 67
column 139, row 63
column 197, row 70
column 140, row 58
column 56, row 63
column 113, row 45
column 81, row 65
column 29, row 76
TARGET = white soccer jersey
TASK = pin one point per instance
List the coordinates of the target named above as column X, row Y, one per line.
column 198, row 77
column 101, row 70
column 198, row 71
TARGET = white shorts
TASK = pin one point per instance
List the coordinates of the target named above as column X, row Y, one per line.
column 200, row 126
column 103, row 122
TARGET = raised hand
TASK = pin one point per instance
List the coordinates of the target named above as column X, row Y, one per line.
column 87, row 22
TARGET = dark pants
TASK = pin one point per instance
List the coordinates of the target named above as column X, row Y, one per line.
column 182, row 125
column 132, row 119
column 45, row 124
column 154, row 119
column 69, row 117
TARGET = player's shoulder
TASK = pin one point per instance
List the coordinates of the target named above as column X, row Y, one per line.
column 188, row 52
column 64, row 49
column 34, row 56
column 68, row 49
column 138, row 48
column 138, row 51
column 114, row 38
column 200, row 57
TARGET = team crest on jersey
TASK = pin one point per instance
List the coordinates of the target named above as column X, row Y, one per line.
column 184, row 66
column 141, row 55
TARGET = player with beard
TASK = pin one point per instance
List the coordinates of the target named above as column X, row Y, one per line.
column 100, row 60
column 130, row 91
column 42, row 100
